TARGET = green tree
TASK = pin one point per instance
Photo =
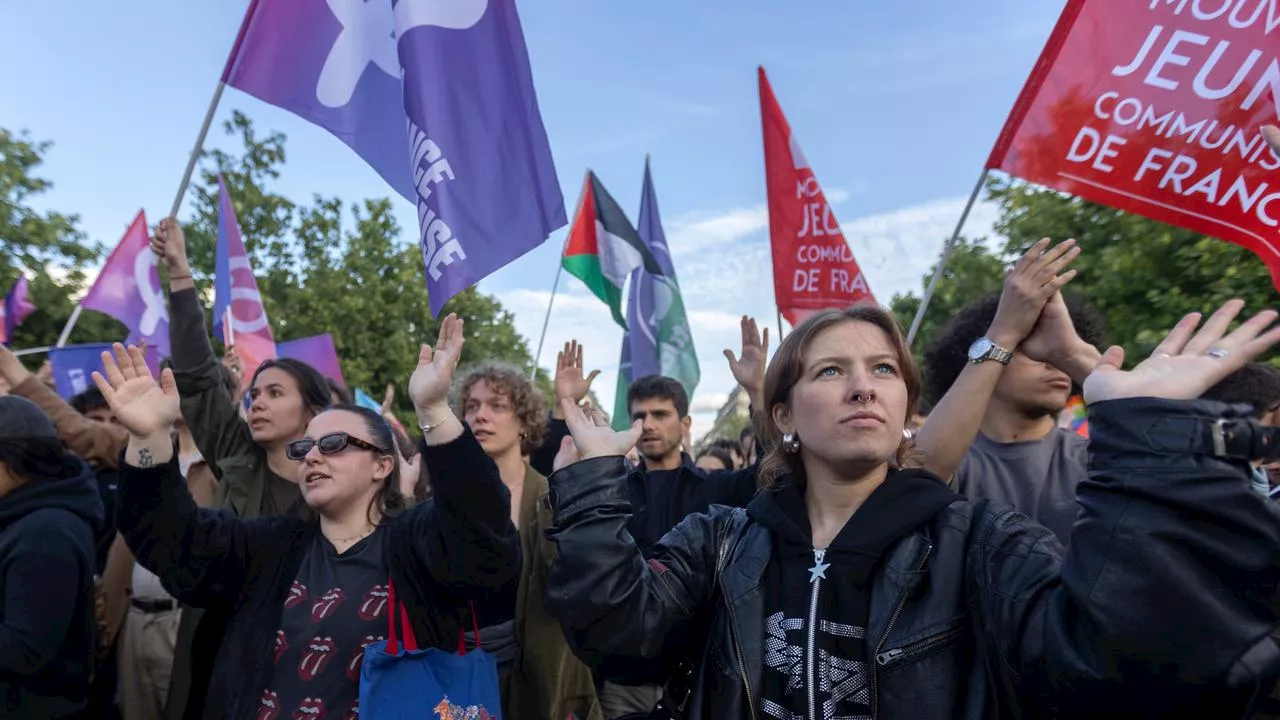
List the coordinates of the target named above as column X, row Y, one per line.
column 1141, row 275
column 48, row 247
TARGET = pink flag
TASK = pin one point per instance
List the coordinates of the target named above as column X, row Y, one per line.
column 236, row 296
column 128, row 289
column 17, row 306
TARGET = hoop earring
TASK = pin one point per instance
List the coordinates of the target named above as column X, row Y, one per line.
column 790, row 443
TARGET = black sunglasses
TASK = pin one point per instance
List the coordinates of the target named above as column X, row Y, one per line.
column 330, row 444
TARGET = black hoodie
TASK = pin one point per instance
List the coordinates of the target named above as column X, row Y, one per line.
column 46, row 593
column 817, row 600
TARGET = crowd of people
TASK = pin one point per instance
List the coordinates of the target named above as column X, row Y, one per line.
column 168, row 552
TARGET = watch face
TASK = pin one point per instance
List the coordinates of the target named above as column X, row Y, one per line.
column 980, row 348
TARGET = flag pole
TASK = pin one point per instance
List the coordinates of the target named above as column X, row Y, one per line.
column 195, row 151
column 942, row 261
column 779, row 325
column 182, row 187
column 533, row 372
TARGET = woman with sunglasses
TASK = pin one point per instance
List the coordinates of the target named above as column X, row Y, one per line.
column 304, row 597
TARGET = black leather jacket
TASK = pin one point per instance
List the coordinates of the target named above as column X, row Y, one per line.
column 1165, row 603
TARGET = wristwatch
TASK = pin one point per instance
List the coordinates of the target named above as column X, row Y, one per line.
column 984, row 349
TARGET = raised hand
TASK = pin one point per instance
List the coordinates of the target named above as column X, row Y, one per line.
column 144, row 407
column 388, row 399
column 410, row 471
column 570, row 381
column 429, row 385
column 592, row 434
column 748, row 369
column 1187, row 362
column 170, row 245
column 567, row 455
column 1028, row 287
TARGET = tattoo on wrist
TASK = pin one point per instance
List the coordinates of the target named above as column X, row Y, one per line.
column 144, row 458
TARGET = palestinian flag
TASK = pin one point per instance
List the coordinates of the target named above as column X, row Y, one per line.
column 603, row 247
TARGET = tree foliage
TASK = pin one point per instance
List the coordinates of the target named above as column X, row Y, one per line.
column 1142, row 275
column 48, row 247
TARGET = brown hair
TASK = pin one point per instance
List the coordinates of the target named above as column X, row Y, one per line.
column 529, row 403
column 786, row 368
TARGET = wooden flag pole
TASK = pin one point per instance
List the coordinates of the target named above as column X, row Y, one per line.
column 942, row 261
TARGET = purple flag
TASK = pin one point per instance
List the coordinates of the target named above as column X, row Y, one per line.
column 318, row 352
column 128, row 289
column 460, row 137
column 235, row 294
column 17, row 306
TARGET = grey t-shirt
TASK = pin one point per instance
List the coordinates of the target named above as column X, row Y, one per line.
column 1037, row 478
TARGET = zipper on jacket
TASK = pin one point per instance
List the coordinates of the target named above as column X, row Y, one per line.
column 817, row 574
column 920, row 646
column 742, row 665
column 893, row 619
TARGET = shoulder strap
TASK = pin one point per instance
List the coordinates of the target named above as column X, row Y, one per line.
column 395, row 609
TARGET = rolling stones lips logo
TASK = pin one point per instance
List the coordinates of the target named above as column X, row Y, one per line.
column 310, row 709
column 375, row 601
column 297, row 595
column 269, row 708
column 327, row 604
column 319, row 652
column 353, row 712
column 279, row 648
column 357, row 659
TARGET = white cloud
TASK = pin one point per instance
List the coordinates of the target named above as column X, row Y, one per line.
column 723, row 261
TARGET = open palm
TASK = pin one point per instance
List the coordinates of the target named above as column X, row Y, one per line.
column 143, row 406
column 748, row 368
column 1187, row 362
column 429, row 385
column 570, row 381
column 592, row 434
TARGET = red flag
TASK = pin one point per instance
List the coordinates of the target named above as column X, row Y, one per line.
column 813, row 267
column 1154, row 108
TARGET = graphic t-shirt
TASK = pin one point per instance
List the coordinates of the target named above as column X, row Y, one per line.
column 336, row 606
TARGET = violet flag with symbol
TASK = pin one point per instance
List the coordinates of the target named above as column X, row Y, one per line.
column 128, row 289
column 235, row 293
column 437, row 96
column 17, row 307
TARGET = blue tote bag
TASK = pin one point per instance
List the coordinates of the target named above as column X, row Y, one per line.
column 409, row 682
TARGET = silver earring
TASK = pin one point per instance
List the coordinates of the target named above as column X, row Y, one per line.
column 907, row 434
column 790, row 443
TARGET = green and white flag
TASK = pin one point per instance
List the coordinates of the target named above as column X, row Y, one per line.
column 658, row 340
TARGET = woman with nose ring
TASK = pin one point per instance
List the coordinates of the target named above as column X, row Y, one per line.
column 303, row 597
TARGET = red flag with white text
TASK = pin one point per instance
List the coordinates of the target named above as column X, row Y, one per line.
column 813, row 266
column 1153, row 107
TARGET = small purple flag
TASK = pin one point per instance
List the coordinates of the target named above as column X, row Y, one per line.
column 235, row 294
column 318, row 352
column 128, row 289
column 17, row 306
column 438, row 98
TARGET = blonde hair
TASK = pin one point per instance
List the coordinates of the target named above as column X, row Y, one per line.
column 787, row 367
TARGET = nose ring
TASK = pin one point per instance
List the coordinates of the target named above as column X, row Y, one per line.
column 863, row 397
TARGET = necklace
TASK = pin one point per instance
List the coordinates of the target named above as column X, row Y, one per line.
column 353, row 538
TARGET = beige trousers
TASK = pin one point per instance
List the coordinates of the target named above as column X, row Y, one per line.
column 146, row 661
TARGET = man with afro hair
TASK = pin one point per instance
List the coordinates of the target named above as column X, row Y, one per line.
column 999, row 374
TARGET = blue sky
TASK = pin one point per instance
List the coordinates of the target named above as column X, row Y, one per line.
column 895, row 104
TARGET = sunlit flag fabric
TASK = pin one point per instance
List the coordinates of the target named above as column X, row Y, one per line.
column 437, row 97
column 603, row 248
column 17, row 307
column 813, row 266
column 128, row 289
column 658, row 340
column 235, row 293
